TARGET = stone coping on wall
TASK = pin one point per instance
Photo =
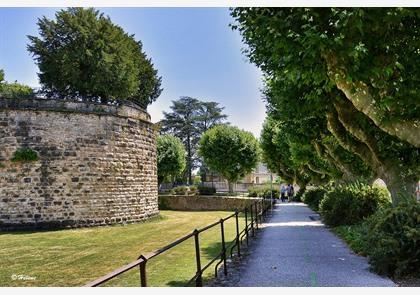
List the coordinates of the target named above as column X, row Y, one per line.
column 125, row 109
column 204, row 203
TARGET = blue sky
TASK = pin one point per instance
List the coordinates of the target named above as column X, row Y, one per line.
column 194, row 50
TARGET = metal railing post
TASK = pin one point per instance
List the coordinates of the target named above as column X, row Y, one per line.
column 222, row 229
column 143, row 277
column 256, row 214
column 246, row 225
column 252, row 220
column 237, row 232
column 199, row 279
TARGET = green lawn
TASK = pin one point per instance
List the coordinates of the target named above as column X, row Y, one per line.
column 76, row 256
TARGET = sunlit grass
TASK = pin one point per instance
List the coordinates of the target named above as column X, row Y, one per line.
column 75, row 257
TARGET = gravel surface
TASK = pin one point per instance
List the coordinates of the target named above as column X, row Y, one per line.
column 295, row 249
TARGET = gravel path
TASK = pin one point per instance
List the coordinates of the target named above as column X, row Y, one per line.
column 294, row 249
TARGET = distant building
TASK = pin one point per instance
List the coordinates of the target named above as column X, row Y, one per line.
column 258, row 175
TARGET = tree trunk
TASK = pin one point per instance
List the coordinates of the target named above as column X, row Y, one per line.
column 189, row 159
column 366, row 148
column 230, row 184
column 359, row 95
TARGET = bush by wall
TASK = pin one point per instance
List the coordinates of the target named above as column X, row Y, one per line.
column 350, row 204
column 312, row 197
column 206, row 191
column 184, row 190
column 263, row 192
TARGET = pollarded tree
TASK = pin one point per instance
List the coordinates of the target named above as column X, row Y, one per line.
column 170, row 157
column 369, row 54
column 305, row 53
column 82, row 54
column 230, row 151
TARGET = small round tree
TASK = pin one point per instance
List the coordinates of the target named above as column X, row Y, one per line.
column 229, row 151
column 83, row 55
column 170, row 157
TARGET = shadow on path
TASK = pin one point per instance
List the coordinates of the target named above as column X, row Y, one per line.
column 295, row 249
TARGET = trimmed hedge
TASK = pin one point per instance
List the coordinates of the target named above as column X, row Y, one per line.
column 312, row 197
column 350, row 204
column 206, row 191
column 263, row 192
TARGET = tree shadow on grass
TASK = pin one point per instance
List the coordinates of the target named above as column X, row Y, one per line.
column 208, row 253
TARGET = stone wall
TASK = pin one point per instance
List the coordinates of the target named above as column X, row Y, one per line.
column 96, row 164
column 201, row 203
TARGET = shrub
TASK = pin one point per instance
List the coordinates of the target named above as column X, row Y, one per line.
column 254, row 191
column 180, row 190
column 193, row 190
column 207, row 191
column 267, row 193
column 263, row 192
column 24, row 155
column 312, row 197
column 184, row 190
column 393, row 239
column 298, row 196
column 350, row 204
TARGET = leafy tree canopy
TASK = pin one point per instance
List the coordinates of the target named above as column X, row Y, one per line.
column 340, row 83
column 369, row 54
column 230, row 151
column 82, row 54
column 170, row 157
column 188, row 120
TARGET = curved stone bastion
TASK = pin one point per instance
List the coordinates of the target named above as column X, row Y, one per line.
column 95, row 164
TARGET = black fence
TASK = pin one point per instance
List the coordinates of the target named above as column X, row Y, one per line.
column 254, row 215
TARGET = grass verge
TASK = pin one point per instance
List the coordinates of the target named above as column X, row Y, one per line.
column 75, row 257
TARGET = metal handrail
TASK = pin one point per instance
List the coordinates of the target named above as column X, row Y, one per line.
column 256, row 212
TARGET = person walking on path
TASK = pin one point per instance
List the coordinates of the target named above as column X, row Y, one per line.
column 282, row 193
column 290, row 192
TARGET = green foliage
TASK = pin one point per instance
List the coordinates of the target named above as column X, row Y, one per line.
column 392, row 241
column 24, row 155
column 230, row 151
column 298, row 196
column 197, row 180
column 390, row 238
column 263, row 192
column 313, row 197
column 350, row 204
column 180, row 190
column 188, row 120
column 314, row 61
column 13, row 90
column 206, row 191
column 185, row 190
column 82, row 54
column 170, row 156
column 355, row 236
column 193, row 190
column 375, row 45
